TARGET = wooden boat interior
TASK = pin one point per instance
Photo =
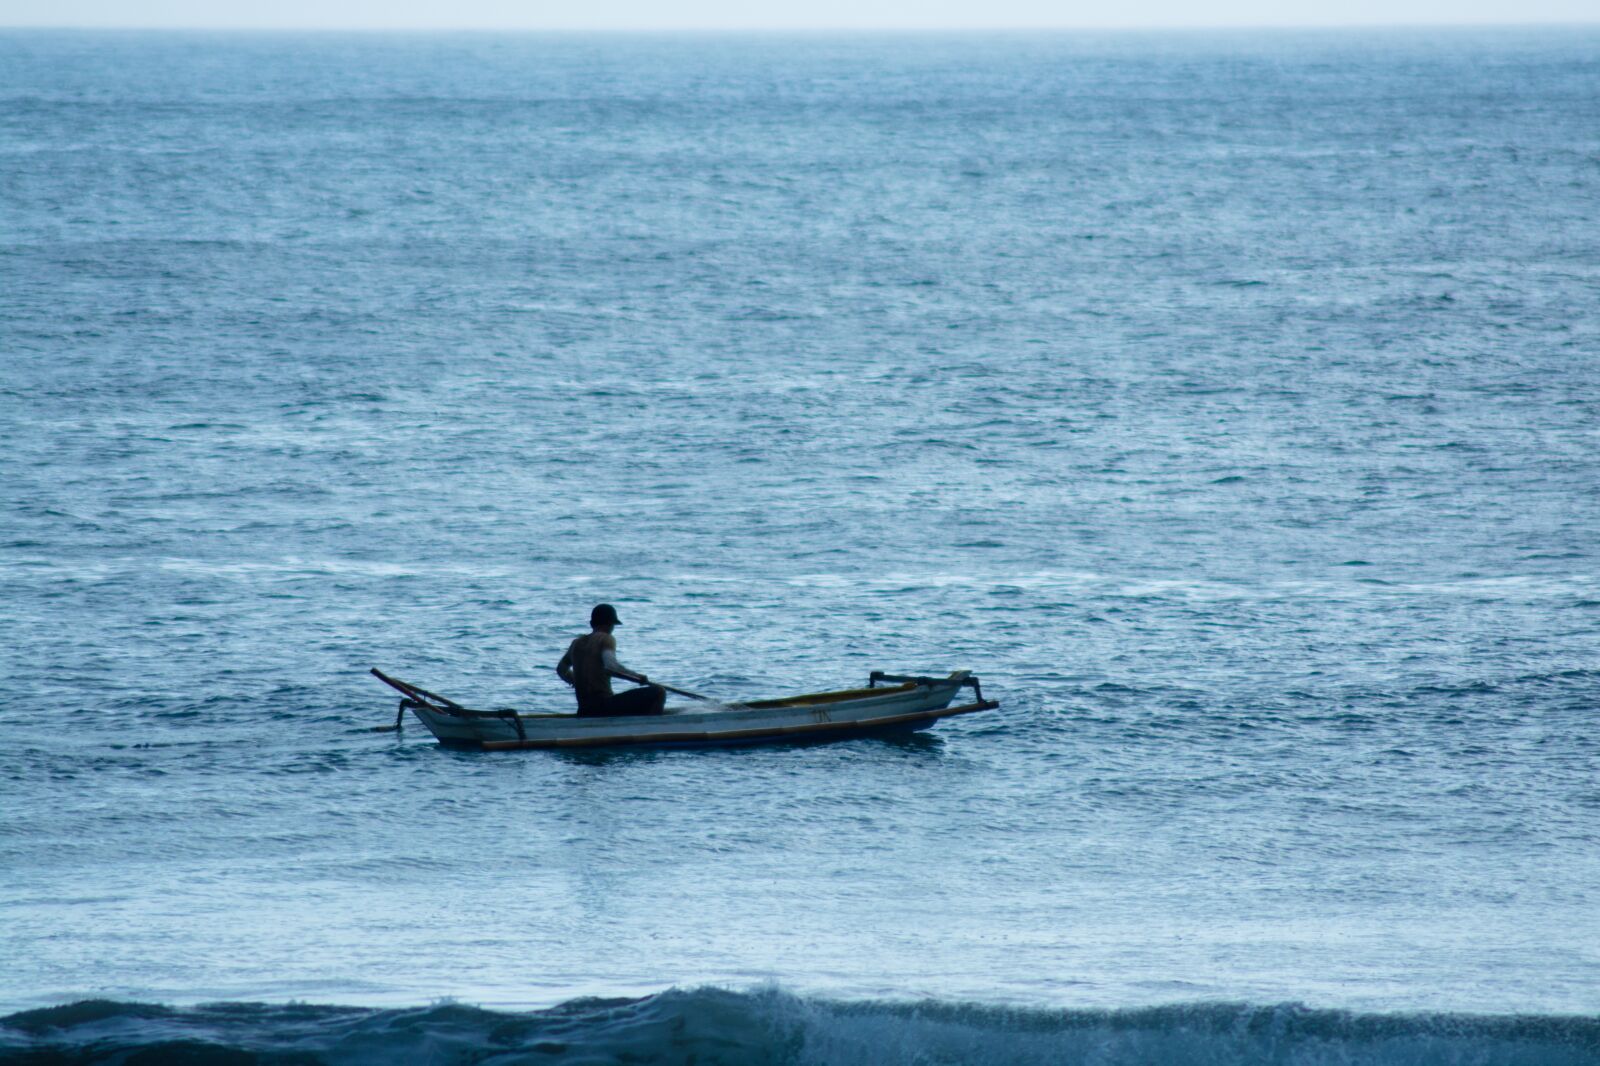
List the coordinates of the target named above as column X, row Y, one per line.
column 832, row 697
column 424, row 698
column 756, row 705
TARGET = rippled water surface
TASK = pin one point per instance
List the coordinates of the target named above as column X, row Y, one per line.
column 1230, row 404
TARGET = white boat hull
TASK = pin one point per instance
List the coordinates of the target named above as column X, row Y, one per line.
column 914, row 704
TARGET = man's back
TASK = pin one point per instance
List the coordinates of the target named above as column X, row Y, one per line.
column 590, row 676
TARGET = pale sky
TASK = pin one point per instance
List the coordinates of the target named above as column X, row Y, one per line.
column 782, row 14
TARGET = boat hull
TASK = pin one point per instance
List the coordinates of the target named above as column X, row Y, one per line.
column 908, row 707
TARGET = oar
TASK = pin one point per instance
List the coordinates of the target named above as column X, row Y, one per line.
column 685, row 692
column 676, row 691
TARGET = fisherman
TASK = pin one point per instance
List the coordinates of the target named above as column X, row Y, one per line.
column 591, row 662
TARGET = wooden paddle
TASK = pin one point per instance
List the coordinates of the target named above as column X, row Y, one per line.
column 637, row 680
column 675, row 691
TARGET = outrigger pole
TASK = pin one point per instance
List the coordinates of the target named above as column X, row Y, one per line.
column 412, row 694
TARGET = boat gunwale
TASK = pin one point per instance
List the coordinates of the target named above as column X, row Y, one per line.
column 813, row 699
column 736, row 735
column 817, row 698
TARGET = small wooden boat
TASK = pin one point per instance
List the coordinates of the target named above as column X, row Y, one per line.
column 889, row 703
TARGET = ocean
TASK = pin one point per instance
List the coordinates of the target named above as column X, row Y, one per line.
column 1228, row 402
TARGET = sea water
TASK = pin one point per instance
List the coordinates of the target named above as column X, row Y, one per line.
column 1229, row 404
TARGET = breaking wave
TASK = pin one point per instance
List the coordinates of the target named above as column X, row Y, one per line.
column 708, row 1026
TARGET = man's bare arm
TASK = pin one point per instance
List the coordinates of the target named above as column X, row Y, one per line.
column 608, row 658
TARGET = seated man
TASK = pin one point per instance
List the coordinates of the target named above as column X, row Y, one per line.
column 590, row 663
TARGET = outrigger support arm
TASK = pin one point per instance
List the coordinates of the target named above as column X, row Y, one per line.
column 407, row 689
column 421, row 697
column 964, row 676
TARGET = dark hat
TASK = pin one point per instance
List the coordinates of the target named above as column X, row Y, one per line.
column 603, row 615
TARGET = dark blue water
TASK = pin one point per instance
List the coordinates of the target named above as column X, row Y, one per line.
column 767, row 1026
column 1230, row 404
